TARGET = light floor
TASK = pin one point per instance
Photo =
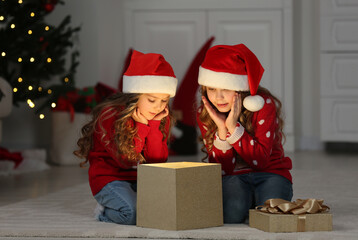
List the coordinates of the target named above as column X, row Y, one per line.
column 17, row 188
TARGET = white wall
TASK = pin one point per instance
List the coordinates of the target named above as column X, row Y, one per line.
column 306, row 74
column 101, row 59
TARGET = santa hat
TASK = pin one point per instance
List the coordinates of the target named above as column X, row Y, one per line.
column 124, row 68
column 149, row 73
column 234, row 68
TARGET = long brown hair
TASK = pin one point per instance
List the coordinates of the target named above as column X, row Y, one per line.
column 245, row 118
column 123, row 105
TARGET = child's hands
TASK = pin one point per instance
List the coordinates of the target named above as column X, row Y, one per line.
column 162, row 114
column 218, row 118
column 234, row 114
column 138, row 117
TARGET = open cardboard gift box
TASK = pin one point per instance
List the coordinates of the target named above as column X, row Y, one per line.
column 179, row 195
column 304, row 219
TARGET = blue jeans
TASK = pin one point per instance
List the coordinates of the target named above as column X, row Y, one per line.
column 242, row 192
column 119, row 199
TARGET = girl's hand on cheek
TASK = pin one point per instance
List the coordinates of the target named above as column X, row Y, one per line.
column 234, row 114
column 162, row 114
column 138, row 117
column 218, row 118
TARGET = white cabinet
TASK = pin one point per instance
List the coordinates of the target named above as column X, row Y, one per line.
column 177, row 29
column 339, row 70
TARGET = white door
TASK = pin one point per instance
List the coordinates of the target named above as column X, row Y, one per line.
column 175, row 35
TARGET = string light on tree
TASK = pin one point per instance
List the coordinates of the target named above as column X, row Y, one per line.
column 36, row 57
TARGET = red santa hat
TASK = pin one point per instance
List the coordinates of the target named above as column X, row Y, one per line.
column 235, row 68
column 149, row 73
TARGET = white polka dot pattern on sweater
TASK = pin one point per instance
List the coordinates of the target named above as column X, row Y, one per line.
column 254, row 162
column 268, row 100
column 252, row 142
column 261, row 121
column 268, row 134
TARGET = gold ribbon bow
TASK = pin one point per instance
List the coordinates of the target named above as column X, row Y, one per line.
column 300, row 206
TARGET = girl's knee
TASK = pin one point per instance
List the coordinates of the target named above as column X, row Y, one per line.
column 236, row 212
column 125, row 216
column 235, row 215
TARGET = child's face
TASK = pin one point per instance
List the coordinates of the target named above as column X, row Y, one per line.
column 222, row 99
column 151, row 104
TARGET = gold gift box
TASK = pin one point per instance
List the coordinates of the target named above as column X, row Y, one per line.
column 270, row 222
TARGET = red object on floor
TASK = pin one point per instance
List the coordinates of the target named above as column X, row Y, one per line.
column 11, row 156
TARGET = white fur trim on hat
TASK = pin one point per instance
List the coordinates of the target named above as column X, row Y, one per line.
column 223, row 80
column 254, row 103
column 150, row 84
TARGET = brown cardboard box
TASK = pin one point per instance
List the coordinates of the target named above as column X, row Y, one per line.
column 270, row 222
column 179, row 195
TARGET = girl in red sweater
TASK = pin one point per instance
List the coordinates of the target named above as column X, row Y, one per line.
column 128, row 129
column 243, row 132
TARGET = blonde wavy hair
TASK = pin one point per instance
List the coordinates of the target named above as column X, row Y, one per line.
column 123, row 105
column 244, row 119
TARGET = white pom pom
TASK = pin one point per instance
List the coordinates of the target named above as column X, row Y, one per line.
column 254, row 103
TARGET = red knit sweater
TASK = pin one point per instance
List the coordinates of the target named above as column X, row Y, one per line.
column 106, row 166
column 241, row 152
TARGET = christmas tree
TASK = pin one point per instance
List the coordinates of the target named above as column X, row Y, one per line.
column 37, row 59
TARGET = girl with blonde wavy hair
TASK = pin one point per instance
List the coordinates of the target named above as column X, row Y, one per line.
column 241, row 128
column 128, row 129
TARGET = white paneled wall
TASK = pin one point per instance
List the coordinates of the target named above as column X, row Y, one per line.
column 178, row 31
column 102, row 45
